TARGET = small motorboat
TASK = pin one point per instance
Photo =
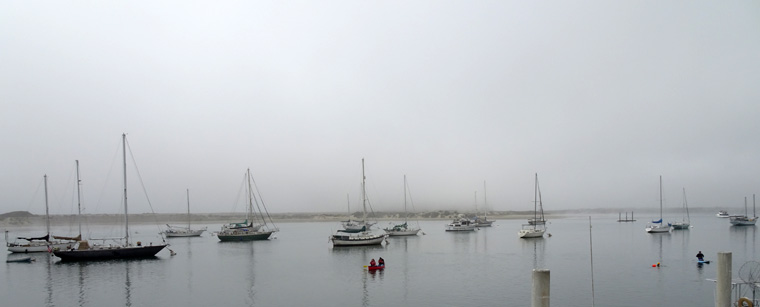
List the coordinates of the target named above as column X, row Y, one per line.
column 20, row 259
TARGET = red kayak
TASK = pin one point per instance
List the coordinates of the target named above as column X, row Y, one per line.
column 377, row 267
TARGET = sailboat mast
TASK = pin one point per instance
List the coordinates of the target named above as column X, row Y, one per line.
column 485, row 201
column 364, row 194
column 660, row 199
column 406, row 215
column 79, row 201
column 188, row 209
column 535, row 199
column 126, row 212
column 249, row 214
column 753, row 206
column 47, row 212
column 686, row 205
column 745, row 205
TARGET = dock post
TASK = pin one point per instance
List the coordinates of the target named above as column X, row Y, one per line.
column 723, row 291
column 540, row 288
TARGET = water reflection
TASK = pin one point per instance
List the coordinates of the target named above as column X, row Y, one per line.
column 49, row 281
column 538, row 246
column 354, row 250
column 82, row 274
column 252, row 277
column 657, row 243
column 746, row 235
column 127, row 286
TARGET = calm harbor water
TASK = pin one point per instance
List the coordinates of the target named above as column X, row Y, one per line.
column 490, row 267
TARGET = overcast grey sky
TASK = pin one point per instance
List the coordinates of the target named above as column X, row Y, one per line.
column 597, row 97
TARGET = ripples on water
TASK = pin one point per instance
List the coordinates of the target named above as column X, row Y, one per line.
column 485, row 268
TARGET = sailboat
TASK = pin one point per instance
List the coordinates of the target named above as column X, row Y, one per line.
column 686, row 221
column 365, row 237
column 538, row 219
column 181, row 231
column 657, row 226
column 484, row 222
column 535, row 230
column 403, row 229
column 744, row 220
column 353, row 226
column 40, row 244
column 247, row 230
column 85, row 252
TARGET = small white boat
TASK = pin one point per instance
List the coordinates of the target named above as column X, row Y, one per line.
column 461, row 224
column 658, row 226
column 181, row 231
column 685, row 222
column 40, row 244
column 482, row 222
column 531, row 231
column 20, row 259
column 744, row 220
column 722, row 213
column 536, row 226
column 403, row 229
column 367, row 237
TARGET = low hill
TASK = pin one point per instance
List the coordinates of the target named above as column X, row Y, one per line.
column 16, row 214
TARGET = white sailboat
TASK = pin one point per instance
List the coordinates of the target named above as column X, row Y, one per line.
column 538, row 219
column 685, row 222
column 40, row 244
column 482, row 222
column 354, row 226
column 403, row 229
column 181, row 231
column 658, row 226
column 534, row 230
column 365, row 237
column 744, row 220
column 86, row 252
column 248, row 230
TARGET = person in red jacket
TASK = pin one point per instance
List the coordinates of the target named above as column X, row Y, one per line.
column 372, row 262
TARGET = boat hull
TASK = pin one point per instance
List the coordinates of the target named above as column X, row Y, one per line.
column 184, row 233
column 106, row 253
column 22, row 259
column 536, row 222
column 684, row 226
column 349, row 240
column 374, row 268
column 38, row 247
column 460, row 228
column 531, row 233
column 409, row 232
column 743, row 222
column 248, row 236
column 658, row 229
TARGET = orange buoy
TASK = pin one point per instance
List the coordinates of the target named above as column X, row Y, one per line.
column 654, row 265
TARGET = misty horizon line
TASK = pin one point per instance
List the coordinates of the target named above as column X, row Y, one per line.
column 623, row 211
